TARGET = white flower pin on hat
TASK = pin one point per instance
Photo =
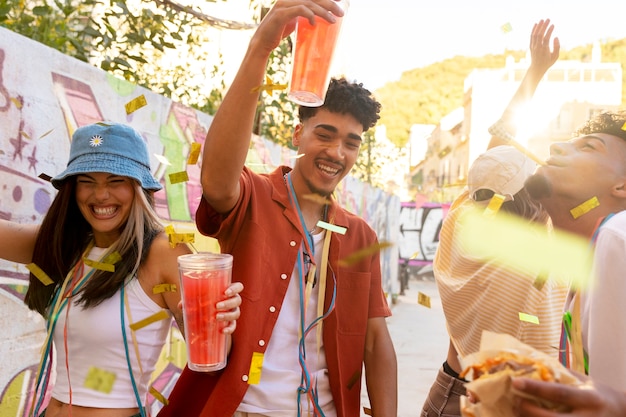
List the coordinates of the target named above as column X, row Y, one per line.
column 96, row 140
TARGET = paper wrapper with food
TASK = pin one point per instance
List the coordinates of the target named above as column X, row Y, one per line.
column 491, row 370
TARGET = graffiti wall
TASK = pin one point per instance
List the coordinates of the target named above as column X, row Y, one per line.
column 420, row 225
column 44, row 97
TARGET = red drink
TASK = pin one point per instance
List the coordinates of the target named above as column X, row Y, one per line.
column 312, row 57
column 202, row 289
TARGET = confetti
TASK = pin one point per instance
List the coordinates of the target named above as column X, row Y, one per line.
column 16, row 102
column 135, row 104
column 177, row 177
column 529, row 318
column 161, row 315
column 256, row 366
column 26, row 135
column 177, row 238
column 46, row 134
column 519, row 245
column 423, row 299
column 99, row 265
column 99, row 380
column 161, row 288
column 494, row 205
column 39, row 274
column 367, row 411
column 269, row 86
column 112, row 258
column 506, row 28
column 45, row 177
column 624, row 127
column 162, row 159
column 158, row 396
column 194, row 154
column 362, row 253
column 585, row 207
column 540, row 281
column 332, row 227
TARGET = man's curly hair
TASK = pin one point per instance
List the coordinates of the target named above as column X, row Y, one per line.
column 609, row 122
column 347, row 98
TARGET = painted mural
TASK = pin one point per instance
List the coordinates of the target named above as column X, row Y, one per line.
column 44, row 97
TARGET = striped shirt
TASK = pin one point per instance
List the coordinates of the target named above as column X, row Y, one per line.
column 478, row 295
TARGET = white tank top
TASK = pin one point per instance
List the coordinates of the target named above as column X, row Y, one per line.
column 98, row 371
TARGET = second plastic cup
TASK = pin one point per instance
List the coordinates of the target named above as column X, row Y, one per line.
column 204, row 278
column 312, row 58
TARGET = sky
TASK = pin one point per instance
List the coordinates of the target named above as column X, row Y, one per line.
column 381, row 39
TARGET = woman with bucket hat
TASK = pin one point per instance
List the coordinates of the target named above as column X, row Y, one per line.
column 95, row 262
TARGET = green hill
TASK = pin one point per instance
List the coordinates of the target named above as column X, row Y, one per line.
column 425, row 95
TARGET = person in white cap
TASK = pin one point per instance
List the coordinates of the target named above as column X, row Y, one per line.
column 95, row 262
column 478, row 294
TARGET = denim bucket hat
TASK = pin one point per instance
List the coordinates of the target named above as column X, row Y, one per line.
column 109, row 147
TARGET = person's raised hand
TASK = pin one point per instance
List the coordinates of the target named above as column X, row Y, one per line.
column 542, row 53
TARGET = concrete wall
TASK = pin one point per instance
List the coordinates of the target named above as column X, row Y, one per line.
column 44, row 97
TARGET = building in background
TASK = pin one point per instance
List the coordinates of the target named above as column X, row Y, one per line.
column 570, row 93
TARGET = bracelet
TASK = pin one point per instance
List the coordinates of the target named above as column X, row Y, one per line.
column 499, row 130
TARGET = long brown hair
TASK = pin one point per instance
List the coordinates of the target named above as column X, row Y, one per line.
column 65, row 234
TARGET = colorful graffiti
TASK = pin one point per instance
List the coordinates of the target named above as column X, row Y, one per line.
column 44, row 97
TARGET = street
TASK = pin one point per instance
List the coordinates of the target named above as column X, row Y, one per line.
column 421, row 343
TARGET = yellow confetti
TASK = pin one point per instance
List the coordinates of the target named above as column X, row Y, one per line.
column 269, row 86
column 100, row 265
column 256, row 366
column 494, row 205
column 177, row 238
column 529, row 318
column 362, row 253
column 161, row 315
column 158, row 396
column 507, row 27
column 624, row 127
column 423, row 299
column 194, row 154
column 514, row 243
column 169, row 229
column 112, row 258
column 367, row 411
column 585, row 207
column 540, row 281
column 161, row 288
column 177, row 177
column 46, row 134
column 26, row 135
column 99, row 380
column 135, row 104
column 16, row 102
column 39, row 274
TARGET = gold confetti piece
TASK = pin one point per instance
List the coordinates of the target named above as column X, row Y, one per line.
column 423, row 299
column 519, row 245
column 494, row 205
column 99, row 265
column 317, row 198
column 256, row 366
column 269, row 86
column 624, row 127
column 99, row 380
column 367, row 411
column 45, row 177
column 194, row 154
column 362, row 253
column 177, row 238
column 529, row 318
column 585, row 207
column 161, row 315
column 506, row 28
column 46, row 134
column 332, row 227
column 26, row 135
column 39, row 274
column 540, row 281
column 158, row 396
column 135, row 104
column 16, row 102
column 169, row 229
column 177, row 177
column 112, row 258
column 161, row 288
column 162, row 159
